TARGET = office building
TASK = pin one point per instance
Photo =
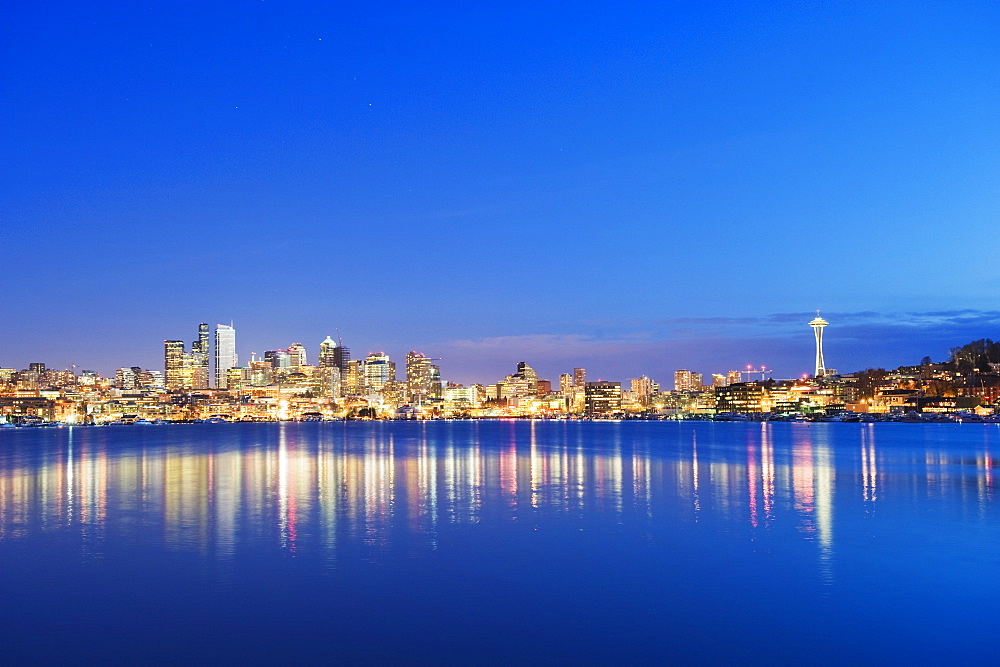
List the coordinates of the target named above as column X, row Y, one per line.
column 225, row 354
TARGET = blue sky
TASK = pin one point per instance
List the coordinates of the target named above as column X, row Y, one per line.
column 633, row 188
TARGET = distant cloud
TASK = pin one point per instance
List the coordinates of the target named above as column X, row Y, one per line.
column 627, row 348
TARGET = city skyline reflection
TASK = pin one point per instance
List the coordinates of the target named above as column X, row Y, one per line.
column 360, row 490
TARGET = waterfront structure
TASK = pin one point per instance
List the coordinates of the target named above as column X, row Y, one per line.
column 225, row 354
column 579, row 377
column 603, row 398
column 817, row 324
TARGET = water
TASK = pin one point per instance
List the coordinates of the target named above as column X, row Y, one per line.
column 493, row 542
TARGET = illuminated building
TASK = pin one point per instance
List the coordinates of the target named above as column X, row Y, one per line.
column 643, row 387
column 378, row 371
column 565, row 383
column 685, row 380
column 176, row 375
column 278, row 358
column 225, row 354
column 199, row 358
column 297, row 355
column 328, row 353
column 743, row 397
column 719, row 380
column 418, row 377
column 579, row 377
column 603, row 398
column 732, row 377
column 526, row 373
column 817, row 324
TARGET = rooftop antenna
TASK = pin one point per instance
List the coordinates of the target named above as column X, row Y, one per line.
column 340, row 341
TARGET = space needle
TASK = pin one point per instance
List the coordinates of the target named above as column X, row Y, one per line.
column 817, row 324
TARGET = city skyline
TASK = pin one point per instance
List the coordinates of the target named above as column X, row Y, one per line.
column 706, row 345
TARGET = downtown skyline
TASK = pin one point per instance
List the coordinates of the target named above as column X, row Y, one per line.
column 632, row 189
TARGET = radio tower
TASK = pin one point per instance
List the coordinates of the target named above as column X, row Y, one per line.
column 817, row 324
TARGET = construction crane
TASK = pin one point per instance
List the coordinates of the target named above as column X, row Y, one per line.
column 751, row 371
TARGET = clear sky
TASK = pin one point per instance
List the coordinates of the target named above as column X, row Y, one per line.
column 630, row 187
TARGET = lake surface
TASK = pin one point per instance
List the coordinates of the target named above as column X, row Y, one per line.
column 494, row 542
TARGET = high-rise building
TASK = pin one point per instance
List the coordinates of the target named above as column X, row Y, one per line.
column 297, row 355
column 687, row 381
column 565, row 383
column 817, row 324
column 333, row 354
column 579, row 377
column 199, row 358
column 734, row 377
column 526, row 373
column 278, row 358
column 175, row 375
column 225, row 354
column 418, row 377
column 719, row 380
column 644, row 387
column 327, row 353
column 378, row 371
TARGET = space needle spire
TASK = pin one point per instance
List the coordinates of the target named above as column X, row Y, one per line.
column 817, row 324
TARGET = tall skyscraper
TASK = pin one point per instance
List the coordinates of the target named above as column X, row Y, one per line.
column 579, row 377
column 225, row 354
column 176, row 366
column 327, row 353
column 418, row 377
column 817, row 325
column 333, row 353
column 199, row 358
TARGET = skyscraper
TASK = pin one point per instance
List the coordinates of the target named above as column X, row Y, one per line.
column 579, row 377
column 418, row 377
column 332, row 353
column 297, row 354
column 225, row 354
column 817, row 324
column 199, row 358
column 177, row 366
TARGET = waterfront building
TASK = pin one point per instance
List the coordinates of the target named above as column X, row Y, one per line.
column 743, row 397
column 732, row 377
column 603, row 398
column 225, row 354
column 719, row 380
column 579, row 377
column 565, row 383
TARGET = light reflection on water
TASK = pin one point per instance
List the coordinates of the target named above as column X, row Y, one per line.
column 216, row 489
column 546, row 542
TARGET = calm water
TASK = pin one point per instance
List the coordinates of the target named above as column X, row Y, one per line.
column 481, row 542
